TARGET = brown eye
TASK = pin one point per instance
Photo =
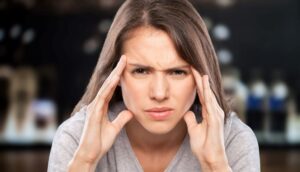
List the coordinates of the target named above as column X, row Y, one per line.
column 140, row 71
column 179, row 72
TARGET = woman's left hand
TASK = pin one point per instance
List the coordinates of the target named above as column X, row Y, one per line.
column 207, row 137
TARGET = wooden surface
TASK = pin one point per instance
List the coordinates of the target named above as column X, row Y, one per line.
column 280, row 160
column 36, row 160
column 24, row 160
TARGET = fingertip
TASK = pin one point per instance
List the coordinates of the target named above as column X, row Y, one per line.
column 121, row 65
column 122, row 118
column 189, row 113
column 192, row 68
column 196, row 76
column 189, row 117
column 194, row 71
column 123, row 57
column 128, row 115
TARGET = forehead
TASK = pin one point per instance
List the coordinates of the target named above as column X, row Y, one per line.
column 151, row 46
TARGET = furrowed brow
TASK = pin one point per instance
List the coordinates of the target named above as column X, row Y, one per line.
column 149, row 67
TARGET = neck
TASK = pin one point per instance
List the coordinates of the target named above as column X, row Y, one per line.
column 149, row 142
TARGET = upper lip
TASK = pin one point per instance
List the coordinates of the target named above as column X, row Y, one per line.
column 159, row 109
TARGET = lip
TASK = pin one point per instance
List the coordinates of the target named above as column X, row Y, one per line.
column 159, row 113
column 159, row 109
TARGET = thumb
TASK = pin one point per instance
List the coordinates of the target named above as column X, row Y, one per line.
column 122, row 118
column 190, row 120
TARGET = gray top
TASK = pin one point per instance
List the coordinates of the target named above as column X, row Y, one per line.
column 240, row 143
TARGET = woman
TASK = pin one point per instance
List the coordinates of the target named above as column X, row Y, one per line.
column 155, row 101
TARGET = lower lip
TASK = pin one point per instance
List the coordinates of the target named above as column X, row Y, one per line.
column 160, row 115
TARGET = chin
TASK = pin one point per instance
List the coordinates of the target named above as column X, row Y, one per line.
column 158, row 128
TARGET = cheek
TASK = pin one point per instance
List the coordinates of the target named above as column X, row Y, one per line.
column 185, row 97
column 132, row 90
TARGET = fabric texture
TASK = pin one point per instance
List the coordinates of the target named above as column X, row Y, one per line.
column 240, row 143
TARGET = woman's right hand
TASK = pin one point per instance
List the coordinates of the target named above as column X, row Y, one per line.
column 99, row 133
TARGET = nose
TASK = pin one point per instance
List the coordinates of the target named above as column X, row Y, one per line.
column 159, row 88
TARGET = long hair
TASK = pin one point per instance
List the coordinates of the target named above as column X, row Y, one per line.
column 185, row 27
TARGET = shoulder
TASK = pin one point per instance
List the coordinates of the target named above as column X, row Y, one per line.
column 72, row 127
column 66, row 141
column 241, row 145
column 238, row 130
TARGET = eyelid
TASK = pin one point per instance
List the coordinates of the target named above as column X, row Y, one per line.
column 134, row 71
column 169, row 71
column 179, row 70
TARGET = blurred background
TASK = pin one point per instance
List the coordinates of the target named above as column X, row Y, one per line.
column 48, row 50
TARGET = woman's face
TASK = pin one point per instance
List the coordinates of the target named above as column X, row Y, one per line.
column 157, row 84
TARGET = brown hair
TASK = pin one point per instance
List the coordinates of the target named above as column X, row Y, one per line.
column 184, row 25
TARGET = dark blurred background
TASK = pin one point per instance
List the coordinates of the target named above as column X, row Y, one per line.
column 48, row 50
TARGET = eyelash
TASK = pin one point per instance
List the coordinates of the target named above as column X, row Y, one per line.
column 139, row 71
column 179, row 72
column 145, row 71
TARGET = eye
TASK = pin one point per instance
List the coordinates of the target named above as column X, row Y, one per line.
column 178, row 72
column 140, row 71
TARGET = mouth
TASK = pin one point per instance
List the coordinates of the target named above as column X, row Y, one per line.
column 159, row 114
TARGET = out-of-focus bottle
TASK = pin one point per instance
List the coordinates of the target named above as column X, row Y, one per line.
column 278, row 112
column 44, row 111
column 293, row 122
column 44, row 107
column 256, row 106
column 19, row 125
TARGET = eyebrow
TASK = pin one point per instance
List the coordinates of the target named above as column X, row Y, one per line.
column 151, row 68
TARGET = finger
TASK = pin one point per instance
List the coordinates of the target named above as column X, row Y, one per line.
column 107, row 89
column 198, row 80
column 206, row 88
column 122, row 119
column 206, row 84
column 190, row 120
column 208, row 98
column 118, row 69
